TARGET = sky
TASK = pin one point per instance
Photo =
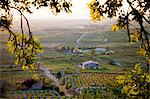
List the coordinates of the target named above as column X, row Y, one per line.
column 79, row 11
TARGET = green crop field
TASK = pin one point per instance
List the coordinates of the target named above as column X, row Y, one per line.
column 57, row 42
column 124, row 52
column 89, row 79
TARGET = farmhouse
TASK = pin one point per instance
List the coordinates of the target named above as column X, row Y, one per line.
column 89, row 64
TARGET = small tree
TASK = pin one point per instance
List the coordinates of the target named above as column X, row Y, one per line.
column 25, row 47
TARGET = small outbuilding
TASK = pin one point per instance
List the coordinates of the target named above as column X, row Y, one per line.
column 89, row 65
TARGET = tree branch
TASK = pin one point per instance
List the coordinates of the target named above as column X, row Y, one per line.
column 30, row 33
column 128, row 27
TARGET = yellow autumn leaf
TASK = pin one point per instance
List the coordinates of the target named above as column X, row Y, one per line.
column 16, row 62
column 11, row 50
column 137, row 69
column 135, row 35
column 133, row 90
column 137, row 66
column 148, row 61
column 35, row 76
column 126, row 89
column 120, row 79
column 94, row 11
column 25, row 67
column 114, row 27
column 148, row 78
column 142, row 51
column 32, row 66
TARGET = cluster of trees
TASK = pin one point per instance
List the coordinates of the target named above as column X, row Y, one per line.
column 25, row 47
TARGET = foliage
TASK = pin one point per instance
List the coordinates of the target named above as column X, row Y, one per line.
column 136, row 82
column 25, row 50
column 25, row 47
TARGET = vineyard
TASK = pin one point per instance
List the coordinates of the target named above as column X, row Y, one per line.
column 86, row 80
column 96, row 79
column 32, row 94
column 77, row 86
column 89, row 85
column 86, row 93
column 84, row 84
column 13, row 79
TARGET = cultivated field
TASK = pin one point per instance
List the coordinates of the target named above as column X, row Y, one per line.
column 58, row 39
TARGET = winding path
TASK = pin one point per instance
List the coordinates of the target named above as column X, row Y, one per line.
column 49, row 75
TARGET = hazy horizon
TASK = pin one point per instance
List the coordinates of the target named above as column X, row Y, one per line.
column 79, row 9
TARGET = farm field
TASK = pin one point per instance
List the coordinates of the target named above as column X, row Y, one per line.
column 59, row 41
column 88, row 79
column 95, row 36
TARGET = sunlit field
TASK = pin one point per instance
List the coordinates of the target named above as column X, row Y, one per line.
column 85, row 36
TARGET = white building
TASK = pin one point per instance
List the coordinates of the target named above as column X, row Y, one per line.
column 90, row 65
